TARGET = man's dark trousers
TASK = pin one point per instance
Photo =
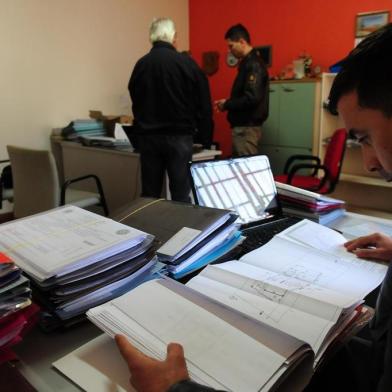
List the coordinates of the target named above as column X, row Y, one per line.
column 161, row 153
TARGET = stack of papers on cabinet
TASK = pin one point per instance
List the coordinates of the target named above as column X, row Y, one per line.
column 306, row 204
column 77, row 259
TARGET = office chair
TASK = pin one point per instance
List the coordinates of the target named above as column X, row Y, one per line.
column 6, row 191
column 331, row 167
column 37, row 187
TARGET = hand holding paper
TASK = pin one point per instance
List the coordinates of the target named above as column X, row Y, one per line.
column 152, row 375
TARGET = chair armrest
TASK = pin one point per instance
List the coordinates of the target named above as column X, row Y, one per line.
column 315, row 168
column 293, row 158
column 98, row 183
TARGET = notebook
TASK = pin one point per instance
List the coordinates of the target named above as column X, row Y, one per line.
column 245, row 185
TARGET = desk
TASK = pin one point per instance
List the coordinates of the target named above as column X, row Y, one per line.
column 38, row 350
column 118, row 169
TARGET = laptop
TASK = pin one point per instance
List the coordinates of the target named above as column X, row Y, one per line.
column 245, row 185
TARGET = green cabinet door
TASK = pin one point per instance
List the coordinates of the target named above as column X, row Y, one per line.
column 296, row 114
column 270, row 131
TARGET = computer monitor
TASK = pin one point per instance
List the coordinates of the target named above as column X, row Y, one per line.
column 266, row 54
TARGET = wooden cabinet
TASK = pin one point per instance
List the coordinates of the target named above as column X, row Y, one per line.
column 292, row 125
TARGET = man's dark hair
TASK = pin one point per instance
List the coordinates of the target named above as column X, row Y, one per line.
column 236, row 32
column 368, row 71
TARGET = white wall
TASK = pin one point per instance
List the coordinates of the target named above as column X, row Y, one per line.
column 60, row 58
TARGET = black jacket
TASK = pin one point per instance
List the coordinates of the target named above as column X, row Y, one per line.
column 170, row 94
column 249, row 99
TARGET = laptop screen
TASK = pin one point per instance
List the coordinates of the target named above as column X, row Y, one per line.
column 245, row 185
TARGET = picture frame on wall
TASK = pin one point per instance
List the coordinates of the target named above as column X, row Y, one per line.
column 368, row 22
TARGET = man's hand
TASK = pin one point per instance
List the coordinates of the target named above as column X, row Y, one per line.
column 219, row 105
column 151, row 375
column 375, row 246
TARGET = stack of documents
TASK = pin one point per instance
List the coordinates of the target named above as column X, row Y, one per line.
column 192, row 248
column 83, row 127
column 306, row 204
column 191, row 236
column 77, row 259
column 15, row 299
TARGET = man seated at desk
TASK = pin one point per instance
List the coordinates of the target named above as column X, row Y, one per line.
column 362, row 94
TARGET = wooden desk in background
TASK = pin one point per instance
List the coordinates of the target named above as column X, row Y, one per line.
column 118, row 169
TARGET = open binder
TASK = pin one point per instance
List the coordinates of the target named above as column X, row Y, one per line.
column 224, row 349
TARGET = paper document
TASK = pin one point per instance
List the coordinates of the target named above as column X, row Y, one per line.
column 64, row 239
column 218, row 352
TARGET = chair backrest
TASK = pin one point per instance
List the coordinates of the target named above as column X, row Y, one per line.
column 334, row 157
column 36, row 182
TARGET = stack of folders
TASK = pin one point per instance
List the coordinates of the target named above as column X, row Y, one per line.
column 16, row 312
column 192, row 248
column 83, row 127
column 310, row 205
column 191, row 236
column 254, row 324
column 77, row 259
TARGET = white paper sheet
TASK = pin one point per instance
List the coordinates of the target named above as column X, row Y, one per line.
column 64, row 239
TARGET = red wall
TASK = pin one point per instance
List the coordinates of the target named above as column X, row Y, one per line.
column 322, row 28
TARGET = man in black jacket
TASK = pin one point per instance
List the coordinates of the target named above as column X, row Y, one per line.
column 247, row 106
column 170, row 102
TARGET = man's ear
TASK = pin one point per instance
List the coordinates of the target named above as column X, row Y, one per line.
column 175, row 40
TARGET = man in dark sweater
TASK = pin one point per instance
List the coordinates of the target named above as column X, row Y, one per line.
column 247, row 107
column 170, row 102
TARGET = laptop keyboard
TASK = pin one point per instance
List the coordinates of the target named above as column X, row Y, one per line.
column 260, row 235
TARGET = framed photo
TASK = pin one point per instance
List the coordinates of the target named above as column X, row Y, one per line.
column 366, row 23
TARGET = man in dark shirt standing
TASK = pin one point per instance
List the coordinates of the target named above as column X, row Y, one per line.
column 170, row 101
column 247, row 106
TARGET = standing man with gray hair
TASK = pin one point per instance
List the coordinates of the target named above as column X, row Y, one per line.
column 170, row 101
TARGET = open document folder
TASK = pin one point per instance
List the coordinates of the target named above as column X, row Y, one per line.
column 223, row 349
column 302, row 282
